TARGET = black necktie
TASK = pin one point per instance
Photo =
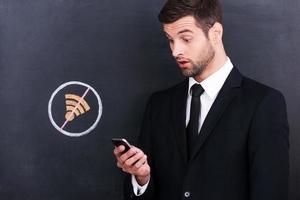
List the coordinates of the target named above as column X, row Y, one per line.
column 193, row 125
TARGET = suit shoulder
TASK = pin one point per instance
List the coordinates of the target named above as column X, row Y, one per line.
column 166, row 93
column 259, row 90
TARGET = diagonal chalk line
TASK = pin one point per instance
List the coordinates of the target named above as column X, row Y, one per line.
column 73, row 111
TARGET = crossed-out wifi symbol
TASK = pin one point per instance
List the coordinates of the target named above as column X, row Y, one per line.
column 75, row 106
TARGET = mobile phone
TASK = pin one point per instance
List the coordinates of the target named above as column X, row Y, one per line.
column 120, row 141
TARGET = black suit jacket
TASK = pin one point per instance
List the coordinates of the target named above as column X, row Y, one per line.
column 241, row 152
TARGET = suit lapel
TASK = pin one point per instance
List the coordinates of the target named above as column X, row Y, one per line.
column 224, row 98
column 178, row 112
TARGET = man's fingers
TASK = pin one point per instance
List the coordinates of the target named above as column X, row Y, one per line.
column 119, row 165
column 141, row 161
column 118, row 150
column 129, row 162
column 129, row 153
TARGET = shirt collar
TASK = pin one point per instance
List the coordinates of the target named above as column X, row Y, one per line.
column 215, row 81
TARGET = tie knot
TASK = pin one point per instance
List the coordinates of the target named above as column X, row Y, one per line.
column 197, row 90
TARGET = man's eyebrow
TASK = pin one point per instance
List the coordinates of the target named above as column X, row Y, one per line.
column 184, row 31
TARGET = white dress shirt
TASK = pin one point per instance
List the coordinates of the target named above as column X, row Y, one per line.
column 211, row 85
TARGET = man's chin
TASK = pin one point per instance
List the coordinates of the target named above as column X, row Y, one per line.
column 187, row 73
column 191, row 73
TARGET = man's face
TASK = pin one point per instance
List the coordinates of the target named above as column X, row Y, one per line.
column 189, row 45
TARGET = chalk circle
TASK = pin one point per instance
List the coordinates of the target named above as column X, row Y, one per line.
column 78, row 134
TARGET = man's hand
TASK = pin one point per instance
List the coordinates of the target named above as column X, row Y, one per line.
column 134, row 162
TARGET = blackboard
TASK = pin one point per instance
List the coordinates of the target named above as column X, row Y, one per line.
column 118, row 48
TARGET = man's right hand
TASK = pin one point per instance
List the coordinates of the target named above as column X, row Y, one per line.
column 134, row 162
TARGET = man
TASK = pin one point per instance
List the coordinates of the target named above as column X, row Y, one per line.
column 217, row 135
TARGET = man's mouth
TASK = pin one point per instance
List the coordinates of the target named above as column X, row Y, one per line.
column 183, row 63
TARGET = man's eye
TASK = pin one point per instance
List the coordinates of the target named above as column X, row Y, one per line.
column 187, row 40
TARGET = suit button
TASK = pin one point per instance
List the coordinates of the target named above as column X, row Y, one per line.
column 187, row 194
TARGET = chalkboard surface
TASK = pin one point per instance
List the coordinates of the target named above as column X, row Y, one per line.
column 116, row 47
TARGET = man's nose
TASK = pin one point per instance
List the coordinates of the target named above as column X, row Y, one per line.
column 177, row 50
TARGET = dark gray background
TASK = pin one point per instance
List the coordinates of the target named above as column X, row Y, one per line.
column 118, row 48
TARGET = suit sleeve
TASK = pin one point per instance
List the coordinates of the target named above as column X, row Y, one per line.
column 268, row 150
column 144, row 143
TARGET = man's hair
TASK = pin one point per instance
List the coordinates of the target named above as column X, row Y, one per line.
column 206, row 12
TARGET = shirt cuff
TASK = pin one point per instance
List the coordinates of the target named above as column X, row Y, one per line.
column 137, row 189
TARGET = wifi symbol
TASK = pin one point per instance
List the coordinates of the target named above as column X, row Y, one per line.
column 75, row 105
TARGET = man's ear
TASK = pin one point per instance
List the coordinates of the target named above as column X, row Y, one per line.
column 216, row 33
